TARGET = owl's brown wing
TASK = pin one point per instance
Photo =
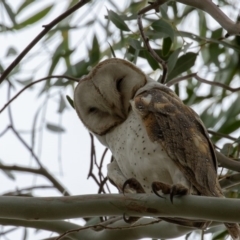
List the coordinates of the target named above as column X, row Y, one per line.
column 182, row 134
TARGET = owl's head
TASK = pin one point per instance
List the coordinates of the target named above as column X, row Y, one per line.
column 101, row 98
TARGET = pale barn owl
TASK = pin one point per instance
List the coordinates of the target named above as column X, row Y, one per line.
column 154, row 138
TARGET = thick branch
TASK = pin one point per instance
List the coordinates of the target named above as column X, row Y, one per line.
column 55, row 208
column 208, row 6
column 227, row 162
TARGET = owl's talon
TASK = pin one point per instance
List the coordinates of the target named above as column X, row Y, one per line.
column 134, row 184
column 178, row 189
column 165, row 188
column 130, row 219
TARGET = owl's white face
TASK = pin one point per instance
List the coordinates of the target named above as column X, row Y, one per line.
column 102, row 97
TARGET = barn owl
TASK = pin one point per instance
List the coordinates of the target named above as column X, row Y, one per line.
column 157, row 142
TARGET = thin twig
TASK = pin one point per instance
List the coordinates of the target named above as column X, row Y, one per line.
column 222, row 135
column 19, row 191
column 37, row 81
column 43, row 170
column 105, row 227
column 4, row 131
column 217, row 84
column 146, row 40
column 21, row 169
column 230, row 181
column 46, row 29
column 179, row 79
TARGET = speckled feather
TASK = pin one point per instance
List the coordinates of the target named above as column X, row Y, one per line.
column 178, row 129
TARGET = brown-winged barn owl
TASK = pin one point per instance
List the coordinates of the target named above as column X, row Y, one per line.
column 153, row 136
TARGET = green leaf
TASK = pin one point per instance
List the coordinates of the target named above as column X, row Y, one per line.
column 55, row 128
column 135, row 44
column 117, row 21
column 70, row 101
column 9, row 11
column 62, row 105
column 209, row 40
column 238, row 140
column 58, row 53
column 24, row 5
column 36, row 17
column 78, row 70
column 163, row 9
column 111, row 49
column 152, row 62
column 8, row 173
column 183, row 64
column 163, row 26
column 167, row 44
column 24, row 82
column 94, row 53
column 173, row 59
column 11, row 52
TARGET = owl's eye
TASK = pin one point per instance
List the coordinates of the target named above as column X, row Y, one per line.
column 119, row 82
column 92, row 110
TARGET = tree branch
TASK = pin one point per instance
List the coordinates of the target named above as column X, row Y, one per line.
column 164, row 65
column 34, row 82
column 55, row 208
column 194, row 75
column 230, row 181
column 208, row 6
column 41, row 171
column 227, row 162
column 142, row 228
column 46, row 29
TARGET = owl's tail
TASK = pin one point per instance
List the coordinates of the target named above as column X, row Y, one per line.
column 233, row 230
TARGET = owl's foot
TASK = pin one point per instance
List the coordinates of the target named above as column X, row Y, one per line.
column 177, row 189
column 133, row 184
column 157, row 186
column 136, row 186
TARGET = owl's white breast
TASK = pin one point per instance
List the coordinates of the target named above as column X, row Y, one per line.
column 138, row 157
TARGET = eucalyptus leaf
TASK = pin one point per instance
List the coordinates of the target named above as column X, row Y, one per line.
column 136, row 44
column 183, row 64
column 34, row 18
column 111, row 49
column 167, row 44
column 55, row 128
column 62, row 105
column 70, row 101
column 117, row 21
column 163, row 26
column 94, row 53
column 8, row 173
column 11, row 52
column 173, row 59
